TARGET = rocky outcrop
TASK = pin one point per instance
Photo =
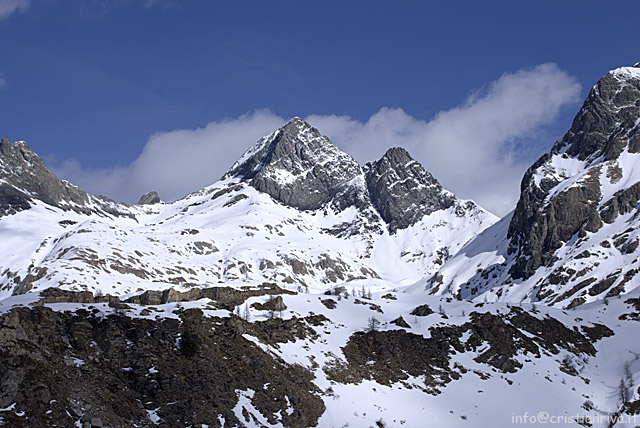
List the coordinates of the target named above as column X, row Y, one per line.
column 149, row 198
column 395, row 355
column 299, row 167
column 25, row 177
column 422, row 311
column 548, row 213
column 81, row 369
column 539, row 228
column 224, row 297
column 402, row 191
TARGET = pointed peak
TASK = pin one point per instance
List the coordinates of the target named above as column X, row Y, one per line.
column 6, row 144
column 149, row 198
column 397, row 153
column 627, row 72
column 296, row 120
column 17, row 153
column 297, row 166
column 402, row 191
column 297, row 128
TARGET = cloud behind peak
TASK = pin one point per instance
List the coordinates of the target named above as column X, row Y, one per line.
column 477, row 150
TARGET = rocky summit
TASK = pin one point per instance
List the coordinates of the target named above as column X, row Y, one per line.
column 303, row 289
column 573, row 236
column 402, row 191
column 299, row 167
column 149, row 198
column 25, row 178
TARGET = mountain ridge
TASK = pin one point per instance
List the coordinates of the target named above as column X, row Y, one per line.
column 25, row 177
column 389, row 304
column 576, row 214
column 248, row 227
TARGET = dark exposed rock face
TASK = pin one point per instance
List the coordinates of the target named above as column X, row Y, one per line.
column 64, row 368
column 622, row 202
column 393, row 356
column 544, row 219
column 402, row 191
column 149, row 198
column 422, row 311
column 224, row 297
column 301, row 168
column 24, row 177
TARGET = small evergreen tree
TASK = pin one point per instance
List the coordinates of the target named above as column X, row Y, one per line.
column 373, row 324
column 623, row 391
column 441, row 311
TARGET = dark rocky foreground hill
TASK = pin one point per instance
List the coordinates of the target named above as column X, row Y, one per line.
column 115, row 371
column 119, row 366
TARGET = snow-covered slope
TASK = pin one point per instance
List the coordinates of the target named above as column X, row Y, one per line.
column 390, row 359
column 353, row 337
column 293, row 210
column 573, row 237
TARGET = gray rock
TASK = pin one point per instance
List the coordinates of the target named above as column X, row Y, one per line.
column 75, row 411
column 299, row 167
column 402, row 191
column 606, row 125
column 149, row 198
column 96, row 423
column 25, row 177
column 400, row 322
column 422, row 311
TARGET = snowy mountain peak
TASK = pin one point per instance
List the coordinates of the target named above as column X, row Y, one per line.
column 299, row 167
column 25, row 178
column 563, row 192
column 149, row 198
column 402, row 191
column 573, row 236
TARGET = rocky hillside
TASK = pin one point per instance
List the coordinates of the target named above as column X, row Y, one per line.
column 305, row 290
column 25, row 179
column 573, row 237
column 263, row 357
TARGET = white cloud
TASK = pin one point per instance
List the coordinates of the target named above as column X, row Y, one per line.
column 7, row 7
column 177, row 162
column 470, row 148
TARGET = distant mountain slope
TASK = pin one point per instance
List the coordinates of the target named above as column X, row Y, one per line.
column 293, row 210
column 24, row 178
column 574, row 234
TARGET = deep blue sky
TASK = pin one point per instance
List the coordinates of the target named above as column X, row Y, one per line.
column 94, row 79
